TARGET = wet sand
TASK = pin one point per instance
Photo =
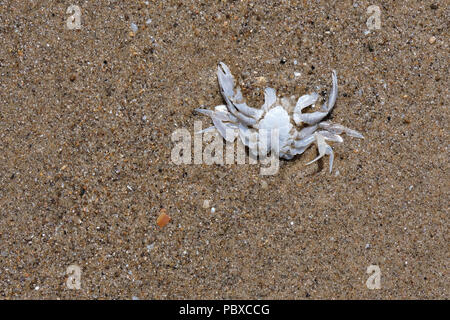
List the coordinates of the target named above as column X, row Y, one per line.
column 85, row 139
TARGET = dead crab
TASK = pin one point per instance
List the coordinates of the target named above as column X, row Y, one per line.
column 296, row 130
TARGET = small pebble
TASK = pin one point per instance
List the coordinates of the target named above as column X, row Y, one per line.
column 261, row 80
column 150, row 247
column 206, row 204
column 432, row 40
column 297, row 74
column 368, row 246
column 163, row 219
column 213, row 210
column 134, row 27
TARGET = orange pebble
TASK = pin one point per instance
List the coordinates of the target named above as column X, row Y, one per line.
column 163, row 219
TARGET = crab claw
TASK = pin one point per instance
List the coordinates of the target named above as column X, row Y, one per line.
column 316, row 117
column 234, row 99
column 226, row 81
column 303, row 102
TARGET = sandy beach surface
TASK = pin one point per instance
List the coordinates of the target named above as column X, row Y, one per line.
column 86, row 118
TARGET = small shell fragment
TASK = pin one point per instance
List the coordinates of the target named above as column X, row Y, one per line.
column 206, row 204
column 163, row 219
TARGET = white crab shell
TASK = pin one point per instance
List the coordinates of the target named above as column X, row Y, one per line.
column 279, row 126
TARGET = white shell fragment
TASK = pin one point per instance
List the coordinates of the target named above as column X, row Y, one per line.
column 280, row 126
column 134, row 27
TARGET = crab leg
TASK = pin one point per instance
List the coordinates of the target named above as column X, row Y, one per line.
column 226, row 130
column 305, row 132
column 301, row 145
column 249, row 138
column 218, row 117
column 234, row 99
column 324, row 149
column 338, row 129
column 316, row 117
column 330, row 136
column 209, row 129
column 219, row 113
column 303, row 139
